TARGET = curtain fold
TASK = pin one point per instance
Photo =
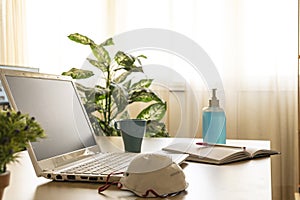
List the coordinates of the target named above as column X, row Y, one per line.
column 255, row 51
column 13, row 33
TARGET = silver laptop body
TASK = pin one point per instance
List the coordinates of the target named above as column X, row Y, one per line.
column 69, row 152
column 70, row 142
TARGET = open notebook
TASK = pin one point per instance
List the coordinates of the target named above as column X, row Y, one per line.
column 218, row 154
column 69, row 151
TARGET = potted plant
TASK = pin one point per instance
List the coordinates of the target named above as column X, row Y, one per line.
column 108, row 101
column 16, row 131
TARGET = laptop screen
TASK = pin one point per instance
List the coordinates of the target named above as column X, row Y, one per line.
column 56, row 106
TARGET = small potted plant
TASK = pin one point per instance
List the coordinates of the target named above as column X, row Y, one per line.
column 16, row 131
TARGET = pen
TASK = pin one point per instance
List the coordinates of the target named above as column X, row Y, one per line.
column 219, row 145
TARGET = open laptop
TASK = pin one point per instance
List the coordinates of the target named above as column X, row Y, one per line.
column 70, row 143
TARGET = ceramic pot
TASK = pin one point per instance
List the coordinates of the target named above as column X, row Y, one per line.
column 4, row 182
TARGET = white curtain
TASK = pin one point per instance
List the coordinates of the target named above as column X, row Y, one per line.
column 13, row 32
column 255, row 50
column 254, row 45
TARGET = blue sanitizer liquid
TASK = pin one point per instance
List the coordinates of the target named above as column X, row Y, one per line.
column 214, row 125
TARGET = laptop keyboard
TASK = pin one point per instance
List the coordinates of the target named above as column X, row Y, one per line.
column 103, row 164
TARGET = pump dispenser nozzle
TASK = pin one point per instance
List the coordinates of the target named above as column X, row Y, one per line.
column 214, row 102
column 214, row 122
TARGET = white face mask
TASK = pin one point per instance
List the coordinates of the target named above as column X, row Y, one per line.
column 152, row 175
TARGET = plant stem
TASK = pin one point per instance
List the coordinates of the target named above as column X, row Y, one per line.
column 108, row 100
column 2, row 168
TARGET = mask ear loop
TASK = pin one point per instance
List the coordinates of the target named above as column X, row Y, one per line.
column 108, row 184
column 160, row 196
column 153, row 192
column 119, row 184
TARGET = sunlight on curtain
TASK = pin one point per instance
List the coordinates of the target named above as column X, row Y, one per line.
column 50, row 22
column 13, row 34
column 263, row 87
column 252, row 43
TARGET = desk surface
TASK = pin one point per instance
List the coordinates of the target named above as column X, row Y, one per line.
column 243, row 180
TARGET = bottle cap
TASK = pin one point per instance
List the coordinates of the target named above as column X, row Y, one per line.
column 214, row 102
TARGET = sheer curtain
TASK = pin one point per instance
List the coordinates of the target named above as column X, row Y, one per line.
column 253, row 44
column 255, row 50
column 13, row 32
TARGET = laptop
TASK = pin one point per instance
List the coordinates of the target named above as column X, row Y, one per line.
column 70, row 151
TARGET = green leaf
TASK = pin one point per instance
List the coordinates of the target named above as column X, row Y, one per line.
column 125, row 74
column 143, row 95
column 91, row 96
column 107, row 42
column 108, row 130
column 122, row 77
column 98, row 50
column 90, row 107
column 124, row 60
column 76, row 37
column 99, row 93
column 95, row 124
column 142, row 56
column 139, row 60
column 144, row 83
column 156, row 129
column 101, row 54
column 120, row 97
column 88, row 90
column 153, row 112
column 127, row 84
column 78, row 73
column 98, row 64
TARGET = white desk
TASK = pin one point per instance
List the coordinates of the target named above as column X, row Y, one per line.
column 243, row 180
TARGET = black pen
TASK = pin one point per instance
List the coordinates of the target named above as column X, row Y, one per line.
column 219, row 145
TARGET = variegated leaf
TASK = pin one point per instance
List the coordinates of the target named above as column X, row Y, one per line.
column 101, row 54
column 124, row 60
column 99, row 65
column 78, row 73
column 107, row 42
column 76, row 37
column 144, row 95
column 120, row 97
column 144, row 83
column 153, row 112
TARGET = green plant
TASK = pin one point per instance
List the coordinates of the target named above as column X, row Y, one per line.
column 108, row 101
column 16, row 131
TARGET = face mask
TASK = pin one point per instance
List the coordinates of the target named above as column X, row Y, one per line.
column 152, row 175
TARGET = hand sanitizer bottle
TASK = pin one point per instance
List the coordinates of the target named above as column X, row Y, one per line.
column 214, row 122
